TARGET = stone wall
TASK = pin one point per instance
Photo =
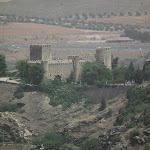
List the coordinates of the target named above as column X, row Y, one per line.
column 103, row 56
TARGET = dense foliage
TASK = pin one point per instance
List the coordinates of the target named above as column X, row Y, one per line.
column 138, row 101
column 8, row 107
column 146, row 72
column 137, row 35
column 30, row 73
column 60, row 93
column 119, row 73
column 24, row 70
column 51, row 140
column 91, row 144
column 130, row 73
column 103, row 104
column 3, row 65
column 19, row 93
column 1, row 137
column 93, row 72
column 36, row 73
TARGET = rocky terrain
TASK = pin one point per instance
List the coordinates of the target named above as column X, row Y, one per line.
column 38, row 117
column 35, row 117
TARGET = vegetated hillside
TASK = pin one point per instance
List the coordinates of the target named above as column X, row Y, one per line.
column 35, row 116
column 56, row 8
column 84, row 120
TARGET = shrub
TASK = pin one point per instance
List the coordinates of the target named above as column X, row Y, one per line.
column 8, row 107
column 115, row 139
column 103, row 105
column 67, row 147
column 19, row 91
column 131, row 125
column 1, row 138
column 146, row 117
column 147, row 147
column 53, row 140
column 91, row 144
column 65, row 96
column 36, row 141
column 138, row 14
column 134, row 133
column 88, row 104
column 109, row 113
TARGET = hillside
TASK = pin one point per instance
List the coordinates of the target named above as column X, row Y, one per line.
column 57, row 8
column 38, row 117
column 35, row 117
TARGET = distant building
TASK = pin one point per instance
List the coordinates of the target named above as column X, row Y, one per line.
column 43, row 54
column 120, row 40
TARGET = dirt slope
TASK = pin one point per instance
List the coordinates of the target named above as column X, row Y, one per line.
column 39, row 117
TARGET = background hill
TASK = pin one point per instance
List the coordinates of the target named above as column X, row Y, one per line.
column 58, row 8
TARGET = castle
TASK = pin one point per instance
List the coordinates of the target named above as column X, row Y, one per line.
column 43, row 54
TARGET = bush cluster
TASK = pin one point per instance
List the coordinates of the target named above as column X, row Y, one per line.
column 60, row 93
column 138, row 102
column 8, row 107
column 53, row 140
column 138, row 35
column 115, row 139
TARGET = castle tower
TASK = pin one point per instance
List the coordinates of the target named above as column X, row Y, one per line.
column 76, row 69
column 103, row 56
column 40, row 52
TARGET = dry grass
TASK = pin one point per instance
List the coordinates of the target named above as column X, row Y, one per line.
column 125, row 20
column 15, row 33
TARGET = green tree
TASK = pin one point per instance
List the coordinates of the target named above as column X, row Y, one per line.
column 3, row 65
column 147, row 72
column 115, row 63
column 91, row 144
column 53, row 140
column 138, row 76
column 130, row 73
column 119, row 73
column 24, row 70
column 36, row 73
column 93, row 72
column 103, row 104
column 71, row 78
column 8, row 107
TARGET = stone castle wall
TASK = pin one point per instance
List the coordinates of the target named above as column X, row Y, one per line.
column 43, row 53
column 103, row 56
column 62, row 68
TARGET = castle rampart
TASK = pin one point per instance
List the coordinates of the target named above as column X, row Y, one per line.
column 43, row 54
column 103, row 56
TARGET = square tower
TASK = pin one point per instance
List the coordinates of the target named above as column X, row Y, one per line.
column 40, row 52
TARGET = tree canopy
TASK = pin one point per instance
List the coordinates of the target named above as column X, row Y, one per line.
column 3, row 65
column 36, row 73
column 93, row 72
column 30, row 73
column 24, row 70
column 130, row 73
column 91, row 144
